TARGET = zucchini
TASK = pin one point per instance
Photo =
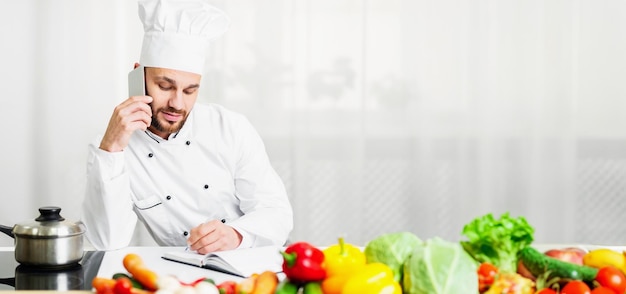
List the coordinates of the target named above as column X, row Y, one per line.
column 539, row 264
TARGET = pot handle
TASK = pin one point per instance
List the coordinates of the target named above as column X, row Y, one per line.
column 8, row 281
column 7, row 230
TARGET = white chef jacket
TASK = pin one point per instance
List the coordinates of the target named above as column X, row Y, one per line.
column 215, row 167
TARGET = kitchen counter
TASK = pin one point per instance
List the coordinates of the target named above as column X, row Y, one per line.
column 106, row 263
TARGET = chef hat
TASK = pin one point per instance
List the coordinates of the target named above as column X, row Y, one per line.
column 178, row 32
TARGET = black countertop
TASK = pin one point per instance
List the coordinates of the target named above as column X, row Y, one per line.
column 14, row 276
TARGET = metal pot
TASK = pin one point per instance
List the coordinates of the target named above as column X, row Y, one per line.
column 49, row 241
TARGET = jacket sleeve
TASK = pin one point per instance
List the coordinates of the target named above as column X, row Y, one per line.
column 268, row 216
column 107, row 209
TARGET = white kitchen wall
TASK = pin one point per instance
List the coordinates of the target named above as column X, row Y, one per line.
column 380, row 116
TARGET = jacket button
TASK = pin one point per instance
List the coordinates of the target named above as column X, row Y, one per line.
column 188, row 143
column 206, row 186
column 150, row 154
column 168, row 197
column 185, row 233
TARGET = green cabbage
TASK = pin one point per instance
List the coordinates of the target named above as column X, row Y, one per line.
column 393, row 250
column 440, row 267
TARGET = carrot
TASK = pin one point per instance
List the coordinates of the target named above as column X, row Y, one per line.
column 135, row 266
column 103, row 285
column 266, row 283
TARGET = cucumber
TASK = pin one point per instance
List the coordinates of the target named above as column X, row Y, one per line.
column 538, row 264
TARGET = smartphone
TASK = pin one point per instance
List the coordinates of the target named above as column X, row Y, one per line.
column 137, row 82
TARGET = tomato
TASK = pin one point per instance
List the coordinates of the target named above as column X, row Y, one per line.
column 486, row 275
column 603, row 290
column 576, row 287
column 612, row 278
column 546, row 291
column 122, row 286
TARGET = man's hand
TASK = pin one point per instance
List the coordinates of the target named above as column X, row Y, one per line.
column 213, row 236
column 132, row 114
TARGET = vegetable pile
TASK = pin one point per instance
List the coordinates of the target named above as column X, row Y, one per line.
column 497, row 256
column 509, row 264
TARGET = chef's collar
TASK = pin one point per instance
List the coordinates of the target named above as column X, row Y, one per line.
column 158, row 139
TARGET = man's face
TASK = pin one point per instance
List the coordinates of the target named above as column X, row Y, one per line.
column 174, row 94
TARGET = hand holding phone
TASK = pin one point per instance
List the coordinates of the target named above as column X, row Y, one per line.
column 133, row 114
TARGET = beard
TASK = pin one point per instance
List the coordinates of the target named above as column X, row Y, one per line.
column 165, row 126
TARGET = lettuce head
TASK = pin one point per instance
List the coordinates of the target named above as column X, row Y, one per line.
column 497, row 240
column 440, row 267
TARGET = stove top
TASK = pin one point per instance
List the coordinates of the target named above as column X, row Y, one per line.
column 14, row 276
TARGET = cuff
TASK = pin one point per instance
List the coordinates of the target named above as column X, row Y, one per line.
column 247, row 239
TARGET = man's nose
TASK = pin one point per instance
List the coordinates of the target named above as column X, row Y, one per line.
column 176, row 101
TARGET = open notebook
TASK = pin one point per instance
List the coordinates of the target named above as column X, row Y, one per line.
column 240, row 262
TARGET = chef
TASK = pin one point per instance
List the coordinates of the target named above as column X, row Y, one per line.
column 194, row 174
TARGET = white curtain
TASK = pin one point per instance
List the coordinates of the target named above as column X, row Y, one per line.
column 380, row 116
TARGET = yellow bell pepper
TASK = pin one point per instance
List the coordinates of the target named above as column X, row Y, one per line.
column 602, row 257
column 373, row 278
column 341, row 260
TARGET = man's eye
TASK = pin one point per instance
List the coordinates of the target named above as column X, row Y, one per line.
column 189, row 92
column 165, row 88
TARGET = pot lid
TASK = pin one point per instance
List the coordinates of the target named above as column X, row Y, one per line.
column 49, row 224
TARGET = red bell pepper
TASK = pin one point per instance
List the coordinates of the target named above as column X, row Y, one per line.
column 303, row 262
